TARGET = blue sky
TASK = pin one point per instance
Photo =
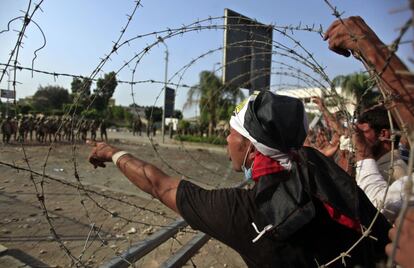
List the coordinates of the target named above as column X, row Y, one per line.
column 80, row 32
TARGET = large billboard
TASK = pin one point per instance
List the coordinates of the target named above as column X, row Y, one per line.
column 247, row 53
column 7, row 94
column 169, row 102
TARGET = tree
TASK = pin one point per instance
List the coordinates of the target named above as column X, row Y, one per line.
column 128, row 115
column 81, row 91
column 90, row 114
column 25, row 108
column 153, row 113
column 178, row 114
column 81, row 86
column 183, row 127
column 50, row 97
column 105, row 88
column 118, row 113
column 212, row 96
column 360, row 86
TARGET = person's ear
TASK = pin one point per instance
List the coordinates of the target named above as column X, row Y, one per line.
column 384, row 135
column 252, row 152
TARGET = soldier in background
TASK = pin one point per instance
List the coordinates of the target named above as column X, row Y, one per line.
column 40, row 129
column 48, row 125
column 30, row 127
column 56, row 128
column 15, row 127
column 84, row 129
column 102, row 128
column 68, row 132
column 22, row 128
column 137, row 126
column 94, row 127
column 6, row 129
column 154, row 130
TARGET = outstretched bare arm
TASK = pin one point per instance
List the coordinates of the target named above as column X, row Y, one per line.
column 145, row 176
column 353, row 35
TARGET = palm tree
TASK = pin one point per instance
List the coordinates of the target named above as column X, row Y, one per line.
column 360, row 86
column 212, row 96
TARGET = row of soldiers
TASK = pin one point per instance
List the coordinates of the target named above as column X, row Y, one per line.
column 50, row 128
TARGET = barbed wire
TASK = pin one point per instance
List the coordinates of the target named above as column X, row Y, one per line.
column 15, row 51
column 311, row 73
column 80, row 187
column 377, row 76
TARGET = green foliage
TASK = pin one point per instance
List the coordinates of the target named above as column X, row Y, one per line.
column 105, row 88
column 25, row 108
column 210, row 139
column 81, row 91
column 91, row 114
column 99, row 103
column 153, row 113
column 213, row 98
column 8, row 108
column 360, row 86
column 50, row 97
column 66, row 107
column 118, row 113
column 178, row 114
column 226, row 109
column 183, row 125
column 128, row 116
column 81, row 86
column 58, row 112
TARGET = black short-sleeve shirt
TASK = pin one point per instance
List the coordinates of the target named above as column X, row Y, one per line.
column 227, row 215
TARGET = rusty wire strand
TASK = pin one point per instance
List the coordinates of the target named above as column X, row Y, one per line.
column 283, row 70
column 378, row 77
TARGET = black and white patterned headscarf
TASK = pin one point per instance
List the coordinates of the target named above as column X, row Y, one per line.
column 311, row 186
column 275, row 124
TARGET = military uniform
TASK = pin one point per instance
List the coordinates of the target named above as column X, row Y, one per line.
column 6, row 129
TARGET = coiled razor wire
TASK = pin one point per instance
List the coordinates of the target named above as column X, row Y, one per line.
column 296, row 63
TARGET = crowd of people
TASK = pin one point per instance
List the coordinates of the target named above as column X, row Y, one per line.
column 42, row 129
column 389, row 152
column 315, row 193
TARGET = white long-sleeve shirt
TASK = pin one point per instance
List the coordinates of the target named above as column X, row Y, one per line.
column 374, row 185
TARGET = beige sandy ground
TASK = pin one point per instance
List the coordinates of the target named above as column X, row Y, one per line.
column 24, row 229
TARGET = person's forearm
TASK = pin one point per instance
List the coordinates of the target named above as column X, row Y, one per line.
column 140, row 173
column 150, row 179
column 331, row 120
column 395, row 81
column 145, row 176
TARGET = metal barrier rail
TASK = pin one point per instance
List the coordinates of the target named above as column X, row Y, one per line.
column 143, row 247
column 186, row 252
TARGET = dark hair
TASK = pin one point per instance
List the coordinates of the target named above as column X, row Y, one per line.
column 377, row 118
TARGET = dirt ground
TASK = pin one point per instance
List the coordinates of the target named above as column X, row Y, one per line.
column 102, row 214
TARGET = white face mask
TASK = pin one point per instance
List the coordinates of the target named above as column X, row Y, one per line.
column 248, row 172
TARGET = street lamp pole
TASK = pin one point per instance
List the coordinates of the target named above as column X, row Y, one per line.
column 165, row 90
column 8, row 90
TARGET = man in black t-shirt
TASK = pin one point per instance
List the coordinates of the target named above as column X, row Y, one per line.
column 304, row 211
